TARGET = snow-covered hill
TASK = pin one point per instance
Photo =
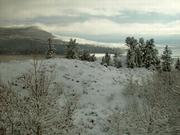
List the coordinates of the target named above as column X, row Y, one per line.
column 100, row 88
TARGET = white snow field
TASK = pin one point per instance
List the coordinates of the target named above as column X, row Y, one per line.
column 100, row 88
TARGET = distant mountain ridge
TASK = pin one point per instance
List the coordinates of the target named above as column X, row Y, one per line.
column 30, row 40
column 32, row 32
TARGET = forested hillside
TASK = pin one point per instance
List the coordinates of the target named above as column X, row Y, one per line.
column 32, row 40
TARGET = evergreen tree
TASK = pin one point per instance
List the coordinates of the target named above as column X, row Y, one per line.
column 117, row 60
column 132, row 43
column 106, row 59
column 141, row 41
column 93, row 58
column 131, row 58
column 158, row 65
column 72, row 50
column 166, row 59
column 177, row 66
column 138, row 57
column 85, row 55
column 141, row 52
column 103, row 61
column 51, row 51
column 150, row 54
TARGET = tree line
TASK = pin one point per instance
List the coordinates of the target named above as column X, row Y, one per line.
column 141, row 53
column 72, row 51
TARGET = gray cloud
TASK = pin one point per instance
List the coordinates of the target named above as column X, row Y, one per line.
column 94, row 17
column 10, row 9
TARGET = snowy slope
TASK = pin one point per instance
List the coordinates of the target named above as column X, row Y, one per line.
column 100, row 88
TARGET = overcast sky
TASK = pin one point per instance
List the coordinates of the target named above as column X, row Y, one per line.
column 95, row 18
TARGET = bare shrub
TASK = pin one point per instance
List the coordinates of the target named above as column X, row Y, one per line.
column 8, row 104
column 31, row 104
column 152, row 109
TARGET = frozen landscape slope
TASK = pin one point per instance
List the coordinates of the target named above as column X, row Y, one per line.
column 100, row 88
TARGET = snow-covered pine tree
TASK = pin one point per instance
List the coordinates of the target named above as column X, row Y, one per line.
column 131, row 58
column 117, row 60
column 158, row 65
column 85, row 55
column 93, row 58
column 51, row 49
column 138, row 57
column 131, row 42
column 177, row 66
column 103, row 61
column 166, row 59
column 71, row 51
column 150, row 54
column 106, row 59
column 141, row 52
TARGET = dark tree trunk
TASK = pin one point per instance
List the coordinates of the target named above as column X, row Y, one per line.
column 2, row 131
column 39, row 132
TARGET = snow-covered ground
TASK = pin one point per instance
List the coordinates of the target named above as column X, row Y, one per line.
column 100, row 88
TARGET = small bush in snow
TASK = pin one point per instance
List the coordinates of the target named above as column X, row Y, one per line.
column 86, row 56
column 152, row 108
column 72, row 51
column 106, row 60
column 177, row 65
